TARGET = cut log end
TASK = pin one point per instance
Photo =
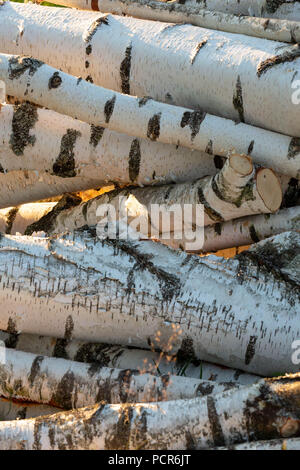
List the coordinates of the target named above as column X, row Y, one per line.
column 269, row 188
column 242, row 164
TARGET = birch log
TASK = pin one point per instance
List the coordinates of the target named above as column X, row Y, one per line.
column 42, row 140
column 235, row 191
column 274, row 444
column 240, row 312
column 15, row 220
column 19, row 187
column 28, row 78
column 13, row 410
column 266, row 410
column 182, row 64
column 278, row 30
column 248, row 230
column 69, row 384
column 119, row 357
column 284, row 9
column 38, row 139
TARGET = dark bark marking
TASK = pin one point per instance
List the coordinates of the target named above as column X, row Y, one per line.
column 90, row 352
column 273, row 5
column 209, row 148
column 88, row 49
column 87, row 64
column 94, row 5
column 17, row 66
column 134, row 160
column 120, row 434
column 96, row 135
column 193, row 119
column 294, row 148
column 216, row 428
column 35, row 369
column 55, row 81
column 37, row 435
column 153, row 130
column 292, row 194
column 125, row 71
column 288, row 56
column 186, row 351
column 24, row 118
column 10, row 218
column 12, row 340
column 219, row 161
column 63, row 395
column 94, row 27
column 218, row 228
column 64, row 165
column 21, row 414
column 250, row 352
column 253, row 234
column 204, row 389
column 191, row 443
column 144, row 100
column 1, row 169
column 212, row 214
column 89, row 79
column 124, row 380
column 238, row 99
column 198, row 48
column 169, row 283
column 46, row 222
column 109, row 108
column 251, row 147
column 62, row 343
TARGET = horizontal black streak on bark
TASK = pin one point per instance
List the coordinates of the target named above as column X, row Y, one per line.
column 288, row 56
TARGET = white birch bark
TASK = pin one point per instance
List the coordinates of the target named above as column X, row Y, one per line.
column 182, row 64
column 125, row 358
column 277, row 30
column 266, row 410
column 13, row 410
column 15, row 220
column 69, row 384
column 248, row 230
column 274, row 444
column 282, row 9
column 241, row 312
column 42, row 140
column 19, row 187
column 38, row 139
column 234, row 192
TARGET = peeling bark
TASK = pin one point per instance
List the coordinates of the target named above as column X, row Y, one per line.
column 14, row 410
column 266, row 410
column 57, row 37
column 123, row 292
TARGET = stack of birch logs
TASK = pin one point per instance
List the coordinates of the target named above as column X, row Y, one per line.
column 117, row 343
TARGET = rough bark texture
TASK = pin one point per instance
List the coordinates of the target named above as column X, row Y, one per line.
column 282, row 9
column 69, row 384
column 278, row 30
column 241, row 312
column 66, row 147
column 266, row 410
column 72, row 40
column 274, row 444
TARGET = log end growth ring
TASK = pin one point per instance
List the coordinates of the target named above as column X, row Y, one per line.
column 269, row 188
